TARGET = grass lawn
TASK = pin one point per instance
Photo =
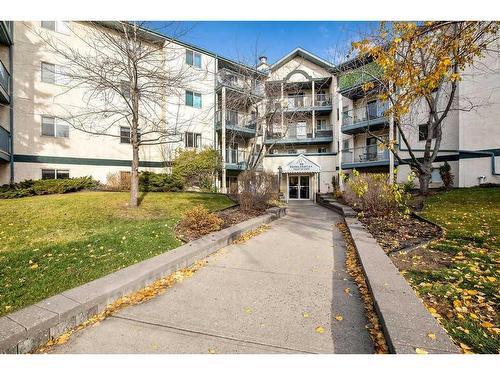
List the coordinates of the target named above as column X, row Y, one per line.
column 464, row 294
column 52, row 243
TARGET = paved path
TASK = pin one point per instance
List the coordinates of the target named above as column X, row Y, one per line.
column 250, row 298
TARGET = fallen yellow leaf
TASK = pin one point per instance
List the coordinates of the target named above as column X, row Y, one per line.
column 211, row 350
column 248, row 310
column 421, row 351
column 34, row 266
column 320, row 329
column 463, row 346
column 431, row 335
column 305, row 315
column 339, row 318
column 486, row 325
column 347, row 290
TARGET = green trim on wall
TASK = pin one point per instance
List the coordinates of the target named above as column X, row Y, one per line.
column 307, row 154
column 86, row 161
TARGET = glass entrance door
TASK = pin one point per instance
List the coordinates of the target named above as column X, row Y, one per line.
column 304, row 187
column 298, row 187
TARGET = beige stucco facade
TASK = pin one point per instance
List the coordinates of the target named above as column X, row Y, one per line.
column 316, row 120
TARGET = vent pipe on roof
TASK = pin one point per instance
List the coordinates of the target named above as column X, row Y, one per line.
column 262, row 65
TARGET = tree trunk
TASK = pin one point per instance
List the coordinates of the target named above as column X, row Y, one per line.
column 424, row 179
column 134, row 177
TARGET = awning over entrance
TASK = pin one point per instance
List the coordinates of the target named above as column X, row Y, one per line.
column 301, row 165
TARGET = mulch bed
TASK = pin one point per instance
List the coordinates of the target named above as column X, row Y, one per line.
column 231, row 216
column 395, row 232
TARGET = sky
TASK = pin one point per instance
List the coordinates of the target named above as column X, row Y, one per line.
column 243, row 41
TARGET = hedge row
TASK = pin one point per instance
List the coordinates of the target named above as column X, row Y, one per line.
column 42, row 187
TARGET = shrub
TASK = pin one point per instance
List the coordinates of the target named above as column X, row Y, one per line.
column 42, row 187
column 446, row 175
column 150, row 181
column 374, row 196
column 118, row 181
column 197, row 169
column 257, row 188
column 200, row 221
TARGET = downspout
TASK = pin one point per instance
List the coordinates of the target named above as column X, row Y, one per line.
column 216, row 182
column 11, row 105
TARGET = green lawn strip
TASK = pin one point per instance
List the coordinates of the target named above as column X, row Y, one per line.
column 53, row 243
column 471, row 218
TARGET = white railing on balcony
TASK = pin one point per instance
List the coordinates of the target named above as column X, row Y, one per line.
column 306, row 101
column 236, row 118
column 299, row 132
column 364, row 154
column 240, row 81
column 370, row 112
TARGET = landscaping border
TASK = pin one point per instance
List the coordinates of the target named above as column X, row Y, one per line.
column 25, row 330
column 406, row 323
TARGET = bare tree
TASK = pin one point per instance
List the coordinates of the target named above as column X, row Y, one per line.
column 416, row 67
column 127, row 76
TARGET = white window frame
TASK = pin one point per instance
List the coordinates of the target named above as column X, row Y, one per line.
column 57, row 123
column 56, row 173
column 193, row 58
column 195, row 139
column 58, row 71
column 194, row 94
column 62, row 27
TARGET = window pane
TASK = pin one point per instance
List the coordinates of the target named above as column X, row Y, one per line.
column 124, row 134
column 198, row 141
column 62, row 129
column 422, row 132
column 62, row 173
column 48, row 126
column 197, row 101
column 50, row 25
column 48, row 174
column 125, row 88
column 61, row 75
column 48, row 73
column 63, row 27
column 197, row 60
column 189, row 98
column 189, row 57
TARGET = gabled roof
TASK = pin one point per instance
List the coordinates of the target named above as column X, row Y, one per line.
column 301, row 52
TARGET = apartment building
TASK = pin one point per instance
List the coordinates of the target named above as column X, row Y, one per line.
column 309, row 118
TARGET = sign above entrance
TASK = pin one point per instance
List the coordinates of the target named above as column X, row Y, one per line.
column 301, row 164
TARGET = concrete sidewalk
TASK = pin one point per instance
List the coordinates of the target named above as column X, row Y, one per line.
column 267, row 295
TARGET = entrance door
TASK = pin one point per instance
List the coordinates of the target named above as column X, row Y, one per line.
column 298, row 187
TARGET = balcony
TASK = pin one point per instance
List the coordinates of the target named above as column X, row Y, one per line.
column 240, row 82
column 371, row 117
column 4, row 145
column 6, row 28
column 305, row 102
column 300, row 134
column 4, row 84
column 351, row 82
column 361, row 157
column 243, row 123
column 236, row 159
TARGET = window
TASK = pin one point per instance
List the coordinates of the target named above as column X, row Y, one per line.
column 125, row 88
column 124, row 134
column 55, row 74
column 291, row 151
column 321, row 124
column 59, row 26
column 322, row 150
column 423, row 131
column 193, row 99
column 435, row 175
column 193, row 58
column 345, row 144
column 51, row 174
column 192, row 140
column 53, row 127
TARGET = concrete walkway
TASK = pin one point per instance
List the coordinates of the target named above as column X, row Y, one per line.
column 267, row 295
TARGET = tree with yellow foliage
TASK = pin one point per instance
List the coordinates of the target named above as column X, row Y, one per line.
column 420, row 66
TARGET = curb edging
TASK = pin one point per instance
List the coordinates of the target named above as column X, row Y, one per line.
column 405, row 320
column 24, row 330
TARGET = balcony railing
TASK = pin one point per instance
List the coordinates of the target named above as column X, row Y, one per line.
column 364, row 155
column 371, row 113
column 237, row 119
column 4, row 142
column 306, row 101
column 4, row 84
column 239, row 81
column 299, row 133
column 238, row 159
